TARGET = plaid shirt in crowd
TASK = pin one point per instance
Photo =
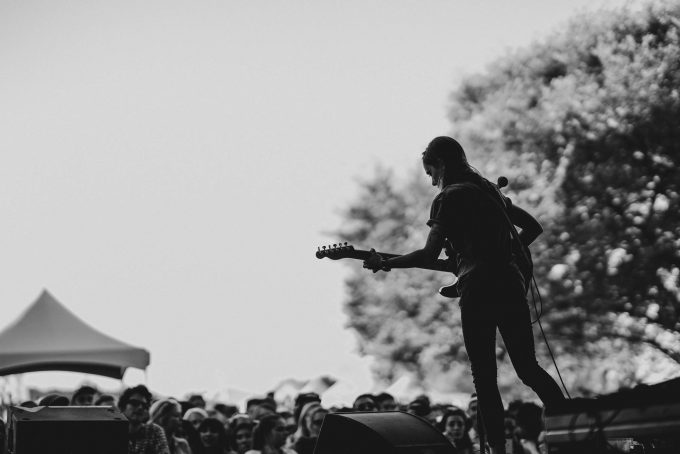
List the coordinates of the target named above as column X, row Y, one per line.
column 150, row 439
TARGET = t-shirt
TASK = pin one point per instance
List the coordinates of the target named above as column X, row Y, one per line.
column 475, row 226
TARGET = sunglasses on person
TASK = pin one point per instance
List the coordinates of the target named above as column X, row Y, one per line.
column 138, row 403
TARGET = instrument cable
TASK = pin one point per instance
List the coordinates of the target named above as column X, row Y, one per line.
column 533, row 285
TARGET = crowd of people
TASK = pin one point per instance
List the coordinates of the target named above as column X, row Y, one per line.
column 165, row 425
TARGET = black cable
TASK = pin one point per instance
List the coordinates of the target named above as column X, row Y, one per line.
column 502, row 181
column 532, row 285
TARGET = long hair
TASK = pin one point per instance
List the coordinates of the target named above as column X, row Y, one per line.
column 448, row 151
column 263, row 428
column 214, row 425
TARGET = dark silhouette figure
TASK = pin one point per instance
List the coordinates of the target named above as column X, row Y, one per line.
column 386, row 402
column 469, row 217
column 54, row 400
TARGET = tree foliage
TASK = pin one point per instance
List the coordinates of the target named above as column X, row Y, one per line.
column 586, row 126
column 592, row 115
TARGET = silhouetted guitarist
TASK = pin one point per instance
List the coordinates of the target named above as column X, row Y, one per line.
column 473, row 219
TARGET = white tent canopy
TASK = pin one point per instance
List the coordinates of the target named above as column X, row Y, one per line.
column 47, row 336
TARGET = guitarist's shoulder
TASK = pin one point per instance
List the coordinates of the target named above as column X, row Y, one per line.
column 457, row 190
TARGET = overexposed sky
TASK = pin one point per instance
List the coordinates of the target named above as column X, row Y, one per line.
column 168, row 168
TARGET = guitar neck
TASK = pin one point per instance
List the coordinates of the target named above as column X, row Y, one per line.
column 439, row 265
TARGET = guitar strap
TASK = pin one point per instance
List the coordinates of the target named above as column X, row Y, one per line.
column 497, row 198
column 493, row 193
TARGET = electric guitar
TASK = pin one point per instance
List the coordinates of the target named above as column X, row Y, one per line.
column 519, row 249
column 347, row 251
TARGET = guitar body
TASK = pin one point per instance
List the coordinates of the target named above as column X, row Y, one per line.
column 524, row 263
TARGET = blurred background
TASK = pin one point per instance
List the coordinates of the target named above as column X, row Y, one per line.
column 169, row 168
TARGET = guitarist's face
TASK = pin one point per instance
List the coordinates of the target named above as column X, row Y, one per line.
column 436, row 173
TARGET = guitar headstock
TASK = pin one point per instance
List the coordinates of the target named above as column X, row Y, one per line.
column 335, row 252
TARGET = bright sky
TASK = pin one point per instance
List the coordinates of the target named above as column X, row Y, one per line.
column 168, row 167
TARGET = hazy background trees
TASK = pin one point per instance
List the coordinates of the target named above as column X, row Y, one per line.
column 586, row 126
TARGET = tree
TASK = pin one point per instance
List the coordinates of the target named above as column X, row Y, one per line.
column 585, row 126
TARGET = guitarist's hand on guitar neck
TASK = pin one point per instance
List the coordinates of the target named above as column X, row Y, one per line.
column 375, row 262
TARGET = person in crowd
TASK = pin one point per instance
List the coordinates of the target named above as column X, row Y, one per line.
column 511, row 432
column 213, row 437
column 291, row 424
column 241, row 435
column 54, row 400
column 167, row 414
column 84, row 396
column 212, row 413
column 144, row 438
column 195, row 416
column 187, row 431
column 386, row 402
column 473, row 431
column 301, row 400
column 529, row 426
column 437, row 411
column 196, row 401
column 105, row 400
column 265, row 408
column 475, row 223
column 257, row 407
column 364, row 402
column 303, row 422
column 513, row 406
column 227, row 410
column 420, row 406
column 269, row 436
column 313, row 421
column 455, row 425
column 251, row 405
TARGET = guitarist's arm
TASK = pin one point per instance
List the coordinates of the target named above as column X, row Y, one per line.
column 419, row 258
column 531, row 229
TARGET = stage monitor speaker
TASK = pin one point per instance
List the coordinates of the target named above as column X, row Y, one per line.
column 66, row 430
column 390, row 432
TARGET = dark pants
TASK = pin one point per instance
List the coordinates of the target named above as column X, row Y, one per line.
column 501, row 303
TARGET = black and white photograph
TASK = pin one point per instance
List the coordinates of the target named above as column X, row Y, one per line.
column 340, row 227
